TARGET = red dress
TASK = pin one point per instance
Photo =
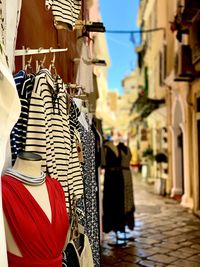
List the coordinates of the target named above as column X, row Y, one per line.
column 39, row 240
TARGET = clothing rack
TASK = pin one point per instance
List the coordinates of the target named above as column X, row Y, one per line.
column 29, row 52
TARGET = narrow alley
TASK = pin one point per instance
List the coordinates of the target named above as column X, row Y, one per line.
column 166, row 234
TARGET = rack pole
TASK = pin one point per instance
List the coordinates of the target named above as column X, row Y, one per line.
column 26, row 52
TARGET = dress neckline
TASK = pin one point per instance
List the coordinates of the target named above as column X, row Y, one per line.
column 34, row 201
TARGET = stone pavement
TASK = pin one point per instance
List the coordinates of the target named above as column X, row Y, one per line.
column 166, row 234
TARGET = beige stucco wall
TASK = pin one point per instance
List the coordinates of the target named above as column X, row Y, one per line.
column 180, row 104
column 179, row 117
column 195, row 92
column 170, row 37
column 155, row 18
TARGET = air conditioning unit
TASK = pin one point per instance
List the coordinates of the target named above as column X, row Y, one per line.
column 184, row 70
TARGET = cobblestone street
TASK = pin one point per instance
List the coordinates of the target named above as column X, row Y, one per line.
column 166, row 234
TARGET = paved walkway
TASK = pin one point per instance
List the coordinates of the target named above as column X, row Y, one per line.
column 166, row 234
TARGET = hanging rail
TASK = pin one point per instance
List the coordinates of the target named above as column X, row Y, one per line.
column 27, row 51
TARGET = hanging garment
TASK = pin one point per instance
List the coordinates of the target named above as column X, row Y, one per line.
column 10, row 111
column 24, row 84
column 98, row 156
column 48, row 134
column 65, row 12
column 129, row 206
column 81, row 256
column 9, row 105
column 113, row 194
column 100, row 153
column 91, row 222
column 9, row 23
column 98, row 147
column 39, row 240
column 85, row 70
column 75, row 139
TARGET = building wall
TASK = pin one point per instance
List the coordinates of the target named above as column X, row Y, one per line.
column 170, row 59
column 155, row 18
column 185, row 95
column 36, row 29
column 195, row 93
column 181, row 100
column 170, row 37
column 179, row 122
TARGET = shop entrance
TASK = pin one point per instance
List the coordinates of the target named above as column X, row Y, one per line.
column 180, row 156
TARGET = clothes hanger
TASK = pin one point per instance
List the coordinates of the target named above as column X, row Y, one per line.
column 81, row 94
column 28, row 67
column 52, row 67
column 41, row 62
column 72, row 89
column 85, row 106
column 85, row 34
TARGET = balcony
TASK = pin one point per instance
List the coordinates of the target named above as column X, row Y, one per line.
column 184, row 69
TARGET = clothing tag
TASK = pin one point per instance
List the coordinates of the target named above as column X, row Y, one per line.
column 79, row 148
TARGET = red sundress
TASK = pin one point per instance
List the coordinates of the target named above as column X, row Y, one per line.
column 39, row 240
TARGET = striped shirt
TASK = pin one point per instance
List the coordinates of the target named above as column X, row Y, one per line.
column 48, row 134
column 24, row 84
column 65, row 12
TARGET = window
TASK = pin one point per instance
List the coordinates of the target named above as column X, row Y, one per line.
column 162, row 65
column 143, row 134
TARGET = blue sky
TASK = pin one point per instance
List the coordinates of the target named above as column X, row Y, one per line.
column 120, row 15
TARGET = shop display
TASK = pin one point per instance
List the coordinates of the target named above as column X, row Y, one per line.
column 40, row 207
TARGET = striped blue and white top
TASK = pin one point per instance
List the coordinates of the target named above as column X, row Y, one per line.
column 24, row 84
column 65, row 12
column 48, row 134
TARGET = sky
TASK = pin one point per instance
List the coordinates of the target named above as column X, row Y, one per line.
column 120, row 15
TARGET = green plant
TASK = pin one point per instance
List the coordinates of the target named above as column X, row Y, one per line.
column 148, row 153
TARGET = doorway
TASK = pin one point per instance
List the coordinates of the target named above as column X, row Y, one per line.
column 178, row 155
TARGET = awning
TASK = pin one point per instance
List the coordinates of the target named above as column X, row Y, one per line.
column 145, row 106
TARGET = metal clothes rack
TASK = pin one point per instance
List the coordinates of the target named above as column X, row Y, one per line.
column 27, row 51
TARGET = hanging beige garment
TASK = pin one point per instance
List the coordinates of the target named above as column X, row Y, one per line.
column 85, row 70
column 10, row 110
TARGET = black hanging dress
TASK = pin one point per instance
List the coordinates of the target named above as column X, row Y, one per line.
column 129, row 206
column 113, row 195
